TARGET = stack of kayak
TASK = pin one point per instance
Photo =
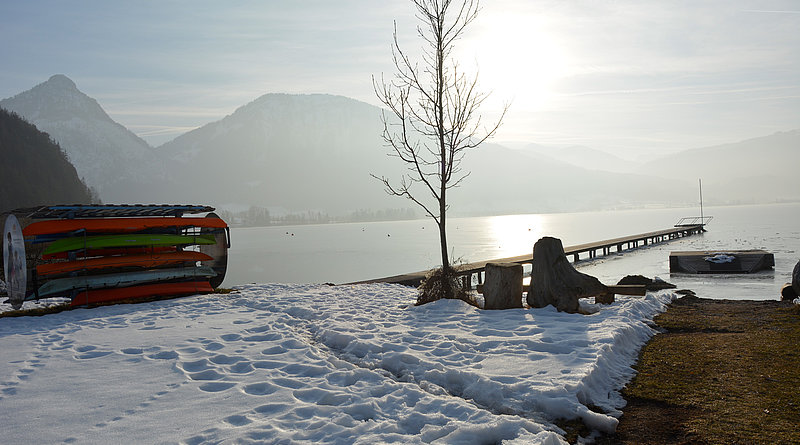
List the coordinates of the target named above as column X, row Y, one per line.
column 101, row 253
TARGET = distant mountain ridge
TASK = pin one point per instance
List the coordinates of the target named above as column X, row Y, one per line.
column 754, row 170
column 299, row 152
column 106, row 154
column 508, row 181
column 316, row 152
column 584, row 157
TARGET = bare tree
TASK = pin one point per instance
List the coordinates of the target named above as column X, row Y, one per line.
column 435, row 114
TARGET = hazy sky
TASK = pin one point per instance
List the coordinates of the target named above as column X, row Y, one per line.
column 630, row 77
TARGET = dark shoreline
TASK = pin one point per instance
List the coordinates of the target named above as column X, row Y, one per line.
column 721, row 371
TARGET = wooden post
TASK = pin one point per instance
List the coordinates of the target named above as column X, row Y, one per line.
column 503, row 287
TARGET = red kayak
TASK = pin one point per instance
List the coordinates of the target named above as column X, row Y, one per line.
column 113, row 251
column 142, row 291
column 106, row 262
column 117, row 225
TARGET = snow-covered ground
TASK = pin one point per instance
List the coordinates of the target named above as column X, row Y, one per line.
column 316, row 364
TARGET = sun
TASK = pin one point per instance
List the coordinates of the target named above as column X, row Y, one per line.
column 516, row 59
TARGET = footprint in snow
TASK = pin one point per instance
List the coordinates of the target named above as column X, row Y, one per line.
column 216, row 386
column 237, row 420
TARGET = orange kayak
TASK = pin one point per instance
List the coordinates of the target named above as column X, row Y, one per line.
column 106, row 262
column 142, row 291
column 117, row 225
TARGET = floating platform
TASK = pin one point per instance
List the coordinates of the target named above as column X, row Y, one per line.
column 721, row 261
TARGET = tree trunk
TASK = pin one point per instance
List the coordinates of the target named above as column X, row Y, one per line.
column 443, row 239
column 554, row 280
column 449, row 291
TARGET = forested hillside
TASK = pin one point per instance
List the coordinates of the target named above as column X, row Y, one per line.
column 34, row 171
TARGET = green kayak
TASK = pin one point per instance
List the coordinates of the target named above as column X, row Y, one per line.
column 132, row 240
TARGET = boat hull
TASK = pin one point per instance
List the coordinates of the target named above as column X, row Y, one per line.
column 111, row 262
column 63, row 286
column 117, row 225
column 132, row 240
column 142, row 291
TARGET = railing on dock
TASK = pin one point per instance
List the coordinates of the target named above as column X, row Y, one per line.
column 466, row 271
column 688, row 221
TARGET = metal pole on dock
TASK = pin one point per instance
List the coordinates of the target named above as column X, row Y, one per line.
column 702, row 220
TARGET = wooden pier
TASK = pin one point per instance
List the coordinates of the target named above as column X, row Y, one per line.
column 588, row 250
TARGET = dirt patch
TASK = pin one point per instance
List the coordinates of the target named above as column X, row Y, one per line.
column 722, row 372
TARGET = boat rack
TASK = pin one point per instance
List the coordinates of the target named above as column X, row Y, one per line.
column 95, row 254
column 110, row 211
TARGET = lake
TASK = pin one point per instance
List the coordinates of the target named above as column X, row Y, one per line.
column 342, row 253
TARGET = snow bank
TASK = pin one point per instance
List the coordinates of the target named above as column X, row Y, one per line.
column 309, row 364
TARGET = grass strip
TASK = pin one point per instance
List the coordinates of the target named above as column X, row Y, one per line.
column 722, row 372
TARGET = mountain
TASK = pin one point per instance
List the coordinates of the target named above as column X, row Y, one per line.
column 762, row 169
column 317, row 152
column 511, row 181
column 106, row 155
column 34, row 170
column 299, row 152
column 581, row 156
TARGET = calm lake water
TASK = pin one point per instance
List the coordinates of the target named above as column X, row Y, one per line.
column 341, row 253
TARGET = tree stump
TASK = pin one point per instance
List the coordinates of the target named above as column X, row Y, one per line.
column 554, row 280
column 503, row 287
column 608, row 298
column 788, row 293
column 652, row 284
